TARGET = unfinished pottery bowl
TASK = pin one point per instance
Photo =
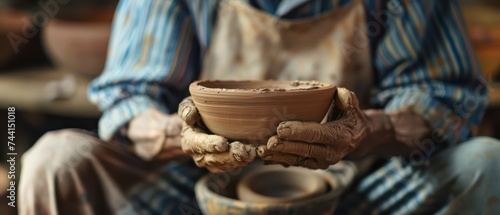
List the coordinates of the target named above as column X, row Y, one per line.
column 276, row 184
column 250, row 111
column 219, row 194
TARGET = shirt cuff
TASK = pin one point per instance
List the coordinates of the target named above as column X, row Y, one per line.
column 121, row 113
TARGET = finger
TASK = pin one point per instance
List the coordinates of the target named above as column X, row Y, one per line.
column 295, row 160
column 310, row 132
column 310, row 150
column 242, row 152
column 262, row 151
column 345, row 99
column 238, row 156
column 198, row 160
column 188, row 111
column 196, row 141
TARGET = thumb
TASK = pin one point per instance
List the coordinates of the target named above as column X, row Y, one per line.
column 345, row 99
column 188, row 111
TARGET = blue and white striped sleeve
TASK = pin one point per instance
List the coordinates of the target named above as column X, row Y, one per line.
column 425, row 62
column 152, row 58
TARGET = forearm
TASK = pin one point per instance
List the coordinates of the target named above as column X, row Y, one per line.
column 146, row 67
column 392, row 134
column 436, row 75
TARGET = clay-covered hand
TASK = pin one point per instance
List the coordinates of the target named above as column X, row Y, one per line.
column 156, row 136
column 208, row 150
column 317, row 146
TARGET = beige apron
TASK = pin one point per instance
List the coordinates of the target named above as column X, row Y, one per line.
column 249, row 44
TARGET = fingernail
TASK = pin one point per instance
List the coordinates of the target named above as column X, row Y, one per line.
column 218, row 148
column 186, row 112
column 285, row 132
column 260, row 151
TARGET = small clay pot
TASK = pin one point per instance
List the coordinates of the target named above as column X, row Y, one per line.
column 277, row 184
column 79, row 44
column 250, row 111
column 217, row 194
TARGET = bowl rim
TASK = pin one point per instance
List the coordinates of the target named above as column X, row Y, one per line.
column 196, row 87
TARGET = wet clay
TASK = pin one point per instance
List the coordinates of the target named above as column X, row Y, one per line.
column 250, row 111
column 211, row 151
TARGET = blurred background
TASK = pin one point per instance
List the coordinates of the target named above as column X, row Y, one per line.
column 50, row 51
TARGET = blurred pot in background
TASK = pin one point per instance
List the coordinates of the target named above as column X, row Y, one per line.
column 79, row 42
column 19, row 42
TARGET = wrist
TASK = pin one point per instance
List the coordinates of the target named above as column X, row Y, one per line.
column 409, row 127
column 380, row 133
column 380, row 127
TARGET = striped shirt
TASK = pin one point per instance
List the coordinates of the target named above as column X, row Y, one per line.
column 422, row 56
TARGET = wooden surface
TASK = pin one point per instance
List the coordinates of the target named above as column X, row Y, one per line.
column 28, row 90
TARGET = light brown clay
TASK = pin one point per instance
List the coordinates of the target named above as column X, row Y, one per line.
column 250, row 111
column 213, row 152
column 277, row 184
column 344, row 99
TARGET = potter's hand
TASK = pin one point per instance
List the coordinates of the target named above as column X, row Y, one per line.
column 156, row 136
column 317, row 146
column 211, row 151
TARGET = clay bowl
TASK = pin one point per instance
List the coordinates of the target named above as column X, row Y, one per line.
column 276, row 184
column 79, row 44
column 218, row 194
column 250, row 111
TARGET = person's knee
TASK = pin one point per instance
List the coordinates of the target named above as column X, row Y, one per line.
column 48, row 166
column 56, row 152
column 481, row 153
column 59, row 149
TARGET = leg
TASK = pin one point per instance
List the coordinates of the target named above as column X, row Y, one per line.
column 73, row 172
column 458, row 180
column 168, row 191
column 471, row 176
